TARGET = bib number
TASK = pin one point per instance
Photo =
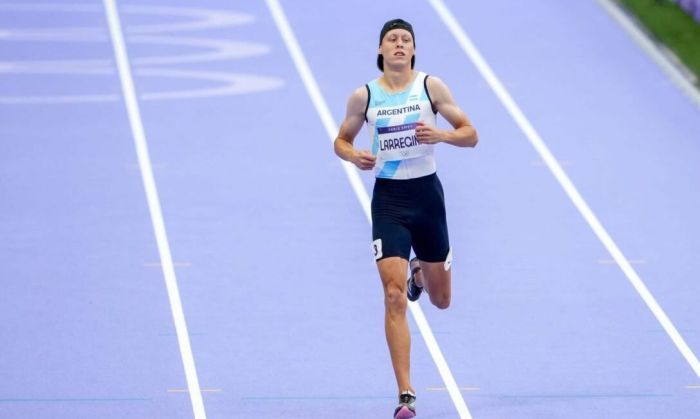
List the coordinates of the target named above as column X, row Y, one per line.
column 399, row 142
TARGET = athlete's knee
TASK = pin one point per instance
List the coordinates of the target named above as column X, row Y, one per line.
column 395, row 298
column 442, row 302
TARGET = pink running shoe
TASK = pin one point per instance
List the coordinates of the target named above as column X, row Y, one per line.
column 407, row 406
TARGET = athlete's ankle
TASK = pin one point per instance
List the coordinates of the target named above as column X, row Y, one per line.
column 409, row 388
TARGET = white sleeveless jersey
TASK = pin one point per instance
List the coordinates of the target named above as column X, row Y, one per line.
column 391, row 119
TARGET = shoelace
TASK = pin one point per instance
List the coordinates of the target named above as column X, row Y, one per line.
column 407, row 398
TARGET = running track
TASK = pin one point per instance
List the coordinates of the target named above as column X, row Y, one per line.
column 269, row 244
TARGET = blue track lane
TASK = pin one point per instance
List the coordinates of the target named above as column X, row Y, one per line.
column 271, row 247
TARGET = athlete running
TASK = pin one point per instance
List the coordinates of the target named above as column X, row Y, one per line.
column 408, row 208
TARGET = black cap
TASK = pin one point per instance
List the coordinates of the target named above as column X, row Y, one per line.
column 395, row 24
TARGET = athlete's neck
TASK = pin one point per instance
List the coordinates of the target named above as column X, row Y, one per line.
column 396, row 81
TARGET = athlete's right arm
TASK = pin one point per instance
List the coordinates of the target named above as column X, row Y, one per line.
column 354, row 118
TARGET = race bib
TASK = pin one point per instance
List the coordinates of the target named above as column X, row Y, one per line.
column 399, row 142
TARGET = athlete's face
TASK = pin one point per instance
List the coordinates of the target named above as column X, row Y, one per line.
column 397, row 47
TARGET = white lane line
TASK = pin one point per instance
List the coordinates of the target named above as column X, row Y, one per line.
column 132, row 107
column 204, row 390
column 317, row 98
column 654, row 50
column 613, row 262
column 563, row 179
column 331, row 129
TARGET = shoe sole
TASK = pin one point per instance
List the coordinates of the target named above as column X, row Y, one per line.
column 404, row 413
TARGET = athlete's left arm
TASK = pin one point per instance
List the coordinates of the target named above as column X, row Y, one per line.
column 463, row 134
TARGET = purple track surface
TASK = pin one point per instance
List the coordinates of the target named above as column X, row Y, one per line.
column 271, row 247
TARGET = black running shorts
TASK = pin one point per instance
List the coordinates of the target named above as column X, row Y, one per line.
column 409, row 213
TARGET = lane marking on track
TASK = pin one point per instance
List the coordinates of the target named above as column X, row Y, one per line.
column 331, row 129
column 614, row 262
column 653, row 49
column 149, row 183
column 203, row 390
column 175, row 264
column 563, row 163
column 538, row 143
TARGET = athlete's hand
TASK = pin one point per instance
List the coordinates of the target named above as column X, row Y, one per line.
column 364, row 160
column 428, row 134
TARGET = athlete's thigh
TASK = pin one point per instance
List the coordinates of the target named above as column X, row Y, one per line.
column 430, row 239
column 438, row 278
column 393, row 271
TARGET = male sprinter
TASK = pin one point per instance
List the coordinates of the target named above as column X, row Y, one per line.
column 408, row 208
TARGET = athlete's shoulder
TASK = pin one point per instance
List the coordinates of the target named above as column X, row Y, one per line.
column 358, row 100
column 437, row 89
column 359, row 93
column 434, row 81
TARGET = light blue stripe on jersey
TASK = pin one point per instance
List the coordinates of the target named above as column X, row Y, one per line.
column 381, row 123
column 389, row 168
column 411, row 118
